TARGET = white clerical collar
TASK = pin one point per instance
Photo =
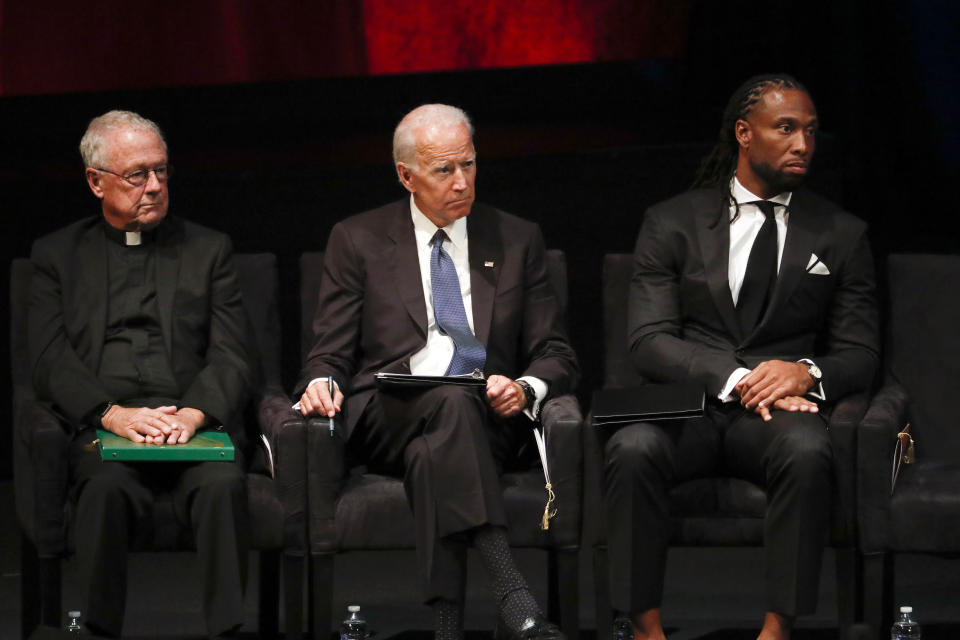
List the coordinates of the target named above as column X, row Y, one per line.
column 456, row 230
column 132, row 238
column 742, row 195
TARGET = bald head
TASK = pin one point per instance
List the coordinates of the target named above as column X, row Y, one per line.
column 421, row 122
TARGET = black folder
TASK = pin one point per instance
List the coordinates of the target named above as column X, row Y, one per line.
column 387, row 380
column 647, row 402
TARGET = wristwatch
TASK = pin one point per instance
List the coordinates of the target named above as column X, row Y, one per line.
column 528, row 393
column 102, row 411
column 814, row 372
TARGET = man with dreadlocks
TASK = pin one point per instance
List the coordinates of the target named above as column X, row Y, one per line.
column 763, row 293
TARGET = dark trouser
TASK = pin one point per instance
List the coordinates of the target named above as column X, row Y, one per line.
column 114, row 508
column 790, row 457
column 439, row 440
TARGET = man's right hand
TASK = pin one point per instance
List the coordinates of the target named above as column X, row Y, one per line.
column 139, row 424
column 316, row 400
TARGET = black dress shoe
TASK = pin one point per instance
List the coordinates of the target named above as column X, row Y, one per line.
column 533, row 628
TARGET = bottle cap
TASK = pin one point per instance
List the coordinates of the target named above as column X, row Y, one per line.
column 73, row 614
column 353, row 608
column 906, row 609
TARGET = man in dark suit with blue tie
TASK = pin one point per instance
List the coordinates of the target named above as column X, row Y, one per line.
column 763, row 293
column 437, row 284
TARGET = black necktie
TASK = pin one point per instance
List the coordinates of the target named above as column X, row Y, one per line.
column 761, row 274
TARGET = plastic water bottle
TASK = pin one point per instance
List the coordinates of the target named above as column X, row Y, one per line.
column 354, row 627
column 906, row 627
column 74, row 627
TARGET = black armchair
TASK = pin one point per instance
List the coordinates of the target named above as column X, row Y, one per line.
column 354, row 510
column 717, row 511
column 922, row 373
column 277, row 506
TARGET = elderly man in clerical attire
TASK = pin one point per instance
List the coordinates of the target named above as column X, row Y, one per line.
column 137, row 327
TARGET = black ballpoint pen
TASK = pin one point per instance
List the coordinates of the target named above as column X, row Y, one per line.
column 330, row 389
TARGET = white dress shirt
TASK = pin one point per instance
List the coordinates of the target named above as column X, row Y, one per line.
column 744, row 228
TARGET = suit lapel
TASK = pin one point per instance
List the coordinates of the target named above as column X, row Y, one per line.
column 405, row 268
column 96, row 281
column 167, row 275
column 486, row 260
column 713, row 234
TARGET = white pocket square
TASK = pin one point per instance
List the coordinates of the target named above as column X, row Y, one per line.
column 815, row 267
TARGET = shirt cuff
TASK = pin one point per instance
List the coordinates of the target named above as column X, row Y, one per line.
column 539, row 390
column 726, row 394
column 296, row 406
column 817, row 390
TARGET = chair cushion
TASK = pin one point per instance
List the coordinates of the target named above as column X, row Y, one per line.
column 925, row 509
column 373, row 513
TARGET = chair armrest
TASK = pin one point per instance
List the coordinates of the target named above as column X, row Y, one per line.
column 844, row 419
column 285, row 429
column 887, row 415
column 562, row 425
column 326, row 467
column 593, row 529
column 40, row 454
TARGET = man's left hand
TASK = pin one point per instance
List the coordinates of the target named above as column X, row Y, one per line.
column 184, row 424
column 505, row 396
column 771, row 381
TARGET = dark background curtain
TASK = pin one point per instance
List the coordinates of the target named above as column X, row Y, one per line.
column 279, row 115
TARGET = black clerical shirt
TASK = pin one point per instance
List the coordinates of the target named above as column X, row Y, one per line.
column 134, row 364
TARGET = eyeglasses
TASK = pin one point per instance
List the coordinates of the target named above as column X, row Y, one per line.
column 139, row 177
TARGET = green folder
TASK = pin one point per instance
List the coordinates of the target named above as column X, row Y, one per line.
column 205, row 445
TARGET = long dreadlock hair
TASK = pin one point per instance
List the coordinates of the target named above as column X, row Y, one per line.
column 717, row 167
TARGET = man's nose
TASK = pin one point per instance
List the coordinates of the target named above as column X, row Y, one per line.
column 802, row 143
column 153, row 182
column 459, row 180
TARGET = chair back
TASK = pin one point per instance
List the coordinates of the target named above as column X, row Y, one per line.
column 923, row 347
column 21, row 272
column 617, row 368
column 311, row 272
column 259, row 287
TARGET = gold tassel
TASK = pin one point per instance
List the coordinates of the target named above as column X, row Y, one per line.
column 547, row 513
column 908, row 456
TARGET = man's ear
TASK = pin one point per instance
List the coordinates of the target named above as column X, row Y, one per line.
column 406, row 177
column 94, row 179
column 743, row 133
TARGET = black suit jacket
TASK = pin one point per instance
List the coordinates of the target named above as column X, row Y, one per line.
column 682, row 322
column 201, row 314
column 371, row 314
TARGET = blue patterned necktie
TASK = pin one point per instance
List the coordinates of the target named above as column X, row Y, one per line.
column 468, row 353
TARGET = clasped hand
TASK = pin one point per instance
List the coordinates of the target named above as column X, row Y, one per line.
column 163, row 425
column 776, row 384
column 504, row 396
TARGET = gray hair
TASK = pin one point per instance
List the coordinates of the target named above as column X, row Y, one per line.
column 426, row 115
column 93, row 145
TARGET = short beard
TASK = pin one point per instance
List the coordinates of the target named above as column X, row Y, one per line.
column 776, row 181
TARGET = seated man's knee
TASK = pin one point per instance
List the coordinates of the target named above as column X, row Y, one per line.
column 455, row 400
column 805, row 448
column 637, row 447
